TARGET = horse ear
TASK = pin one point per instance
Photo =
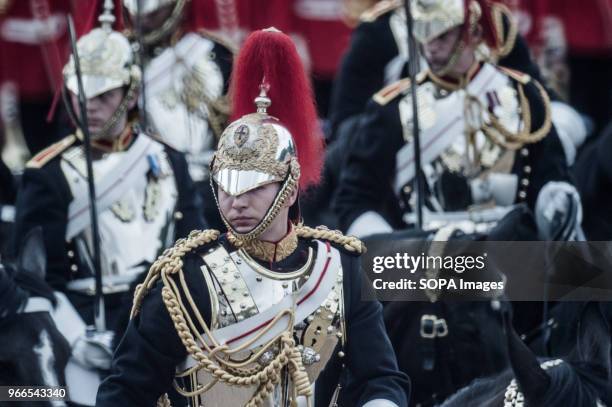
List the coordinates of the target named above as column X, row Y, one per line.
column 532, row 379
column 594, row 336
column 32, row 256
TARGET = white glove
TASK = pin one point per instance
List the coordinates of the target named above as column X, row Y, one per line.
column 93, row 350
column 553, row 209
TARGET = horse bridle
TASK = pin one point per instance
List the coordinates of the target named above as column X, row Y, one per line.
column 513, row 397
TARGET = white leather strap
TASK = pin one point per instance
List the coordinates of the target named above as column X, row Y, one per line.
column 37, row 304
column 132, row 168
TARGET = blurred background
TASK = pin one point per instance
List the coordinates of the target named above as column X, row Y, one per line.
column 570, row 40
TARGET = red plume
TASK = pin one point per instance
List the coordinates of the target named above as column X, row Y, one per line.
column 273, row 56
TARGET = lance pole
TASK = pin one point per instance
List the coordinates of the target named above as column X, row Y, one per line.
column 413, row 70
column 99, row 317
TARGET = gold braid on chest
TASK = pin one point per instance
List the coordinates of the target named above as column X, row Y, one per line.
column 216, row 358
column 211, row 356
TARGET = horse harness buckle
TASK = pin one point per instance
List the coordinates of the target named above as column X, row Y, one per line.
column 433, row 327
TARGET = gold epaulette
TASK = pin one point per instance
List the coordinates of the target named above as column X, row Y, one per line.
column 379, row 9
column 389, row 92
column 349, row 243
column 221, row 39
column 518, row 76
column 171, row 262
column 49, row 153
column 506, row 39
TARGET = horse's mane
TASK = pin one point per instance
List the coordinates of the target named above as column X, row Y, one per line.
column 487, row 391
column 572, row 384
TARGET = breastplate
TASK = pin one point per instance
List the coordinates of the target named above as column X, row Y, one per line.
column 181, row 84
column 453, row 141
column 140, row 224
column 241, row 288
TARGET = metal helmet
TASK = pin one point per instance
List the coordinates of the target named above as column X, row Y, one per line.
column 147, row 6
column 255, row 150
column 106, row 62
column 170, row 25
column 435, row 17
column 279, row 142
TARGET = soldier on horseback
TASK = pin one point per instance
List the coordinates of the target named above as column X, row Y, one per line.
column 269, row 313
column 487, row 146
column 487, row 138
column 145, row 197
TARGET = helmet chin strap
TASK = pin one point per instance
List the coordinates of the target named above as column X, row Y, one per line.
column 453, row 59
column 118, row 113
column 115, row 117
column 461, row 42
column 168, row 27
column 283, row 195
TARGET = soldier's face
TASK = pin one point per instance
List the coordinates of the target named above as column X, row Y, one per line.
column 438, row 51
column 100, row 109
column 245, row 211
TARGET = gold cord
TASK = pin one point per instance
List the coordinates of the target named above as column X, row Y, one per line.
column 514, row 141
column 349, row 243
column 210, row 355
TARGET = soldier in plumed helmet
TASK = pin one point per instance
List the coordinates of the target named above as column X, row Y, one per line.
column 145, row 196
column 269, row 313
column 487, row 137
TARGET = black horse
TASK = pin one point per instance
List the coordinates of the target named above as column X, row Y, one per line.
column 580, row 379
column 32, row 351
column 446, row 342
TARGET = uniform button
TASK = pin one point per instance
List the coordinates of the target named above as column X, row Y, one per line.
column 527, row 169
column 74, row 268
column 178, row 215
column 70, row 254
column 522, row 195
column 525, row 182
column 524, row 152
